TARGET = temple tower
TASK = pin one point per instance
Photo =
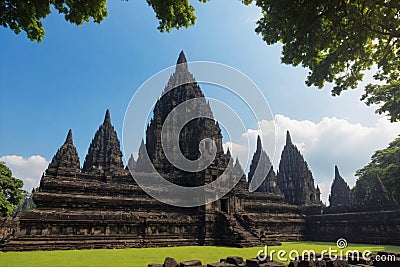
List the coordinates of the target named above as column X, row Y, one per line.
column 66, row 160
column 104, row 156
column 340, row 192
column 182, row 87
column 295, row 179
column 238, row 171
column 261, row 159
column 371, row 194
column 131, row 164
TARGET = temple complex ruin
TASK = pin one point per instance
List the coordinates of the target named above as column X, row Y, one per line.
column 101, row 206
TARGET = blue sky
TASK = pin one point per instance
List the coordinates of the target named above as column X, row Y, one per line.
column 76, row 73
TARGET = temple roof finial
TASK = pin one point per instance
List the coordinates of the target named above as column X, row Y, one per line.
column 107, row 118
column 181, row 58
column 181, row 63
column 337, row 174
column 259, row 146
column 288, row 138
column 69, row 137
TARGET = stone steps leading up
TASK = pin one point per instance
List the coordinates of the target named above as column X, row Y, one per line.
column 246, row 238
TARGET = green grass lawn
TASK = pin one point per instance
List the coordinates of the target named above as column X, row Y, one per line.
column 142, row 257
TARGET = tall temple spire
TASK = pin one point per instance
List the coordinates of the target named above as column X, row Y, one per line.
column 104, row 156
column 66, row 160
column 143, row 164
column 131, row 166
column 340, row 192
column 288, row 138
column 182, row 87
column 295, row 179
column 182, row 76
column 261, row 165
column 237, row 166
column 238, row 171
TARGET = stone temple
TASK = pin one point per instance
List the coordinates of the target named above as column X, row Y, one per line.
column 99, row 205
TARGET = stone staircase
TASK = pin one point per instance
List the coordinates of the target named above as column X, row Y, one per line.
column 270, row 240
column 242, row 237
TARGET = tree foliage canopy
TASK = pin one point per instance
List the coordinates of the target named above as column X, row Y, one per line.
column 384, row 163
column 173, row 13
column 337, row 41
column 11, row 193
column 19, row 15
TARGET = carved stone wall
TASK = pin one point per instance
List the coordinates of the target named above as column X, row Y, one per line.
column 375, row 227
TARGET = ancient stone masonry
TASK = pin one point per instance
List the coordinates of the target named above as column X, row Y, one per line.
column 366, row 196
column 262, row 163
column 369, row 215
column 182, row 87
column 101, row 205
column 131, row 164
column 340, row 198
column 370, row 227
column 104, row 156
column 66, row 160
column 143, row 163
column 238, row 171
column 295, row 179
column 373, row 196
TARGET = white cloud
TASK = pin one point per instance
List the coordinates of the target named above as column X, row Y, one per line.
column 29, row 170
column 329, row 142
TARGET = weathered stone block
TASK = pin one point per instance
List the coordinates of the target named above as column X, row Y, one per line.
column 170, row 262
column 190, row 263
column 236, row 260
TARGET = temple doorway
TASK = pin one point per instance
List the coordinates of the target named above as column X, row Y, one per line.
column 224, row 205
